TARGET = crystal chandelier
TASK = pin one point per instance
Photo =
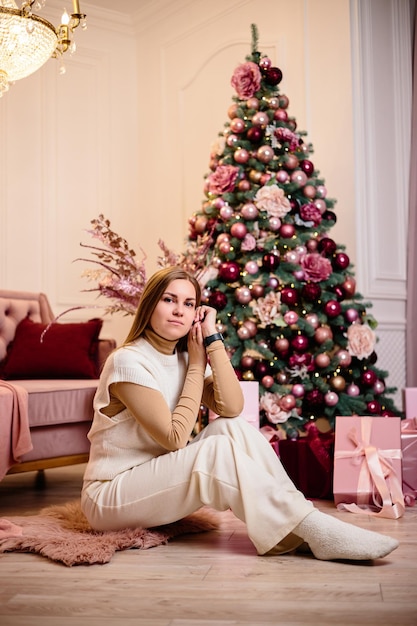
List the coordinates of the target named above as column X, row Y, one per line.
column 27, row 41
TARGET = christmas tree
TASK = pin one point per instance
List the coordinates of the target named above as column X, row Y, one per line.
column 284, row 290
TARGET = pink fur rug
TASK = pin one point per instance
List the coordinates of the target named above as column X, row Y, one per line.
column 62, row 533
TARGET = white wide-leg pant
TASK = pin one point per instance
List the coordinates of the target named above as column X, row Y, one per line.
column 228, row 465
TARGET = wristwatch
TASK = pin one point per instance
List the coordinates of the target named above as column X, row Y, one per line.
column 208, row 340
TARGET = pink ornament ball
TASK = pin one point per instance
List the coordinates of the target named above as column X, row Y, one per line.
column 284, row 101
column 241, row 155
column 238, row 230
column 282, row 344
column 349, row 286
column 331, row 398
column 287, row 231
column 273, row 282
column 291, row 317
column 379, row 387
column 320, row 205
column 280, row 115
column 237, row 125
column 299, row 178
column 282, row 176
column 274, row 224
column 291, row 256
column 226, row 212
column 322, row 334
column 231, row 111
column 243, row 185
column 265, row 154
column 273, row 102
column 252, row 267
column 232, row 141
column 309, row 191
column 260, row 119
column 353, row 390
column 298, row 390
column 291, row 162
column 265, row 63
column 312, row 245
column 267, row 381
column 321, row 191
column 251, row 326
column 224, row 247
column 322, row 360
column 243, row 295
column 287, row 403
column 249, row 211
column 252, row 103
column 344, row 358
column 312, row 319
column 243, row 333
column 351, row 315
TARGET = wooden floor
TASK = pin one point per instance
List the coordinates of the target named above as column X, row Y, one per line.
column 210, row 579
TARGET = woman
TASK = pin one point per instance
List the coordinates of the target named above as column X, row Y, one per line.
column 144, row 471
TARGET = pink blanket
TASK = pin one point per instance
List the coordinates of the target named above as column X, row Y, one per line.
column 14, row 425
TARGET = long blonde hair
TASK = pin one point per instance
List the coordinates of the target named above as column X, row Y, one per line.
column 152, row 293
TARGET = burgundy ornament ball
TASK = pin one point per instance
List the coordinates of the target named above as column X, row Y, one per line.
column 289, row 296
column 311, row 292
column 307, row 167
column 261, row 369
column 273, row 76
column 339, row 292
column 257, row 290
column 341, row 261
column 247, row 362
column 332, row 308
column 255, row 134
column 229, row 271
column 313, row 399
column 270, row 261
column 374, row 407
column 299, row 343
column 327, row 245
column 329, row 216
column 287, row 231
column 349, row 286
column 368, row 378
column 218, row 300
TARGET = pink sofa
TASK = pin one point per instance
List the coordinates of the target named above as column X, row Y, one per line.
column 54, row 380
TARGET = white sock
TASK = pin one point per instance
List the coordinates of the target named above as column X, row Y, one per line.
column 330, row 538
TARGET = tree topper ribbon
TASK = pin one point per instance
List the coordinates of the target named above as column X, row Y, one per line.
column 377, row 475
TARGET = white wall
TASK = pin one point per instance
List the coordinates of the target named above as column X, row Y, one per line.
column 127, row 132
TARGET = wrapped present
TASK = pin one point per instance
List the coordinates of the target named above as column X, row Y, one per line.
column 409, row 464
column 250, row 411
column 410, row 402
column 309, row 462
column 367, row 465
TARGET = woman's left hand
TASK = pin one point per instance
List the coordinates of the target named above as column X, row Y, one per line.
column 206, row 317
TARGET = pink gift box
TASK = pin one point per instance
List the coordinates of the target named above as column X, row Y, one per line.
column 361, row 443
column 250, row 411
column 409, row 450
column 410, row 402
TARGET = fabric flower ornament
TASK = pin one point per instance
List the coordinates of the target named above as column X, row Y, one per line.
column 272, row 199
column 310, row 213
column 246, row 80
column 361, row 340
column 268, row 309
column 248, row 243
column 285, row 135
column 222, row 179
column 316, row 267
column 269, row 402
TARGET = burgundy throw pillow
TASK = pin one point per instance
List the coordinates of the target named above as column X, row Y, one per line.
column 66, row 350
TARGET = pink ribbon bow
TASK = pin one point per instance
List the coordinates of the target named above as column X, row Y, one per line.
column 377, row 475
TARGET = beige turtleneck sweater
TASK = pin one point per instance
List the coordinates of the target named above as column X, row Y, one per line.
column 148, row 400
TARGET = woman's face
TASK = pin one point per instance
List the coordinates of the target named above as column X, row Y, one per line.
column 174, row 314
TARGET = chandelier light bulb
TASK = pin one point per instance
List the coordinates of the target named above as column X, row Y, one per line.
column 65, row 18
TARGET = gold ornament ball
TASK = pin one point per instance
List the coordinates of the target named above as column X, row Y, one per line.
column 248, row 375
column 338, row 383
